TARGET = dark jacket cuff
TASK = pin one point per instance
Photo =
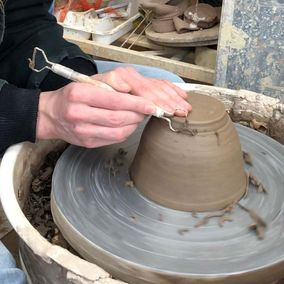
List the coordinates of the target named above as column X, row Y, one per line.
column 18, row 115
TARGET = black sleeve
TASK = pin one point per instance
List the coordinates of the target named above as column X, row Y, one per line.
column 18, row 115
column 19, row 107
column 29, row 24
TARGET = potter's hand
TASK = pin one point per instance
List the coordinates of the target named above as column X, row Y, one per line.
column 85, row 115
column 163, row 93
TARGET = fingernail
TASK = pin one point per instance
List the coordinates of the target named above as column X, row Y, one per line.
column 182, row 108
column 184, row 95
column 168, row 109
column 181, row 112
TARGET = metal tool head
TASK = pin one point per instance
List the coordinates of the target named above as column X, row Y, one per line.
column 40, row 56
column 39, row 53
column 165, row 115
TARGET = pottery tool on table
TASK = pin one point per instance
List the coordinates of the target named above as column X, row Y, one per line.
column 72, row 75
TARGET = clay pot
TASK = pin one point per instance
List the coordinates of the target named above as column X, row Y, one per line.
column 162, row 10
column 180, row 25
column 202, row 16
column 163, row 14
column 166, row 10
column 163, row 25
column 198, row 169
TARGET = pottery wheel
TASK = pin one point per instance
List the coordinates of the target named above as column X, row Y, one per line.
column 136, row 240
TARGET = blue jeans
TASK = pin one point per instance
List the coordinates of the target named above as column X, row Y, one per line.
column 9, row 274
column 51, row 9
column 153, row 72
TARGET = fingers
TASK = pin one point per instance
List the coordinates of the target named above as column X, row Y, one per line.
column 103, row 117
column 169, row 98
column 81, row 124
column 102, row 98
column 161, row 92
column 91, row 135
column 114, row 79
column 85, row 115
column 178, row 90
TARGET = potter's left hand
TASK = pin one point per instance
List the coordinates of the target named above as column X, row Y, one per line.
column 163, row 93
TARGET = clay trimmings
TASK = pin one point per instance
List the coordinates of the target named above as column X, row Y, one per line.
column 177, row 15
column 203, row 171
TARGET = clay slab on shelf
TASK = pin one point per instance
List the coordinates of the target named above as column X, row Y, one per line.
column 194, row 38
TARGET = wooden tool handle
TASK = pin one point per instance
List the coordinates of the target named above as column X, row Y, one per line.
column 89, row 80
column 82, row 78
column 78, row 77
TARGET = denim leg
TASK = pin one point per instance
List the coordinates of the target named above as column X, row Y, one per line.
column 152, row 72
column 51, row 8
column 8, row 272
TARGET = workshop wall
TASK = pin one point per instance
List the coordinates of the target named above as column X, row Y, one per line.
column 250, row 53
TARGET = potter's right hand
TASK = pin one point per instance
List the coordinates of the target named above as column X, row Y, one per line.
column 85, row 115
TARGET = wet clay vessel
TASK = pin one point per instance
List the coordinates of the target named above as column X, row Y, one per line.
column 200, row 168
column 163, row 13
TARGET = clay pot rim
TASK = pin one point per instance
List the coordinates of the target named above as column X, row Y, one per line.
column 169, row 16
column 204, row 129
column 190, row 122
column 195, row 123
column 161, row 20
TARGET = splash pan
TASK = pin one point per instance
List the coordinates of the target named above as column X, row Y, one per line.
column 110, row 223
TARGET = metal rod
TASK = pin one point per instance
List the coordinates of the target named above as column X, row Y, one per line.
column 136, row 28
column 139, row 35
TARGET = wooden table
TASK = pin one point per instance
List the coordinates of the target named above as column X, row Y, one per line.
column 150, row 54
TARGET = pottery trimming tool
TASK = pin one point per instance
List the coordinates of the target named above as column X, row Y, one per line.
column 72, row 75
